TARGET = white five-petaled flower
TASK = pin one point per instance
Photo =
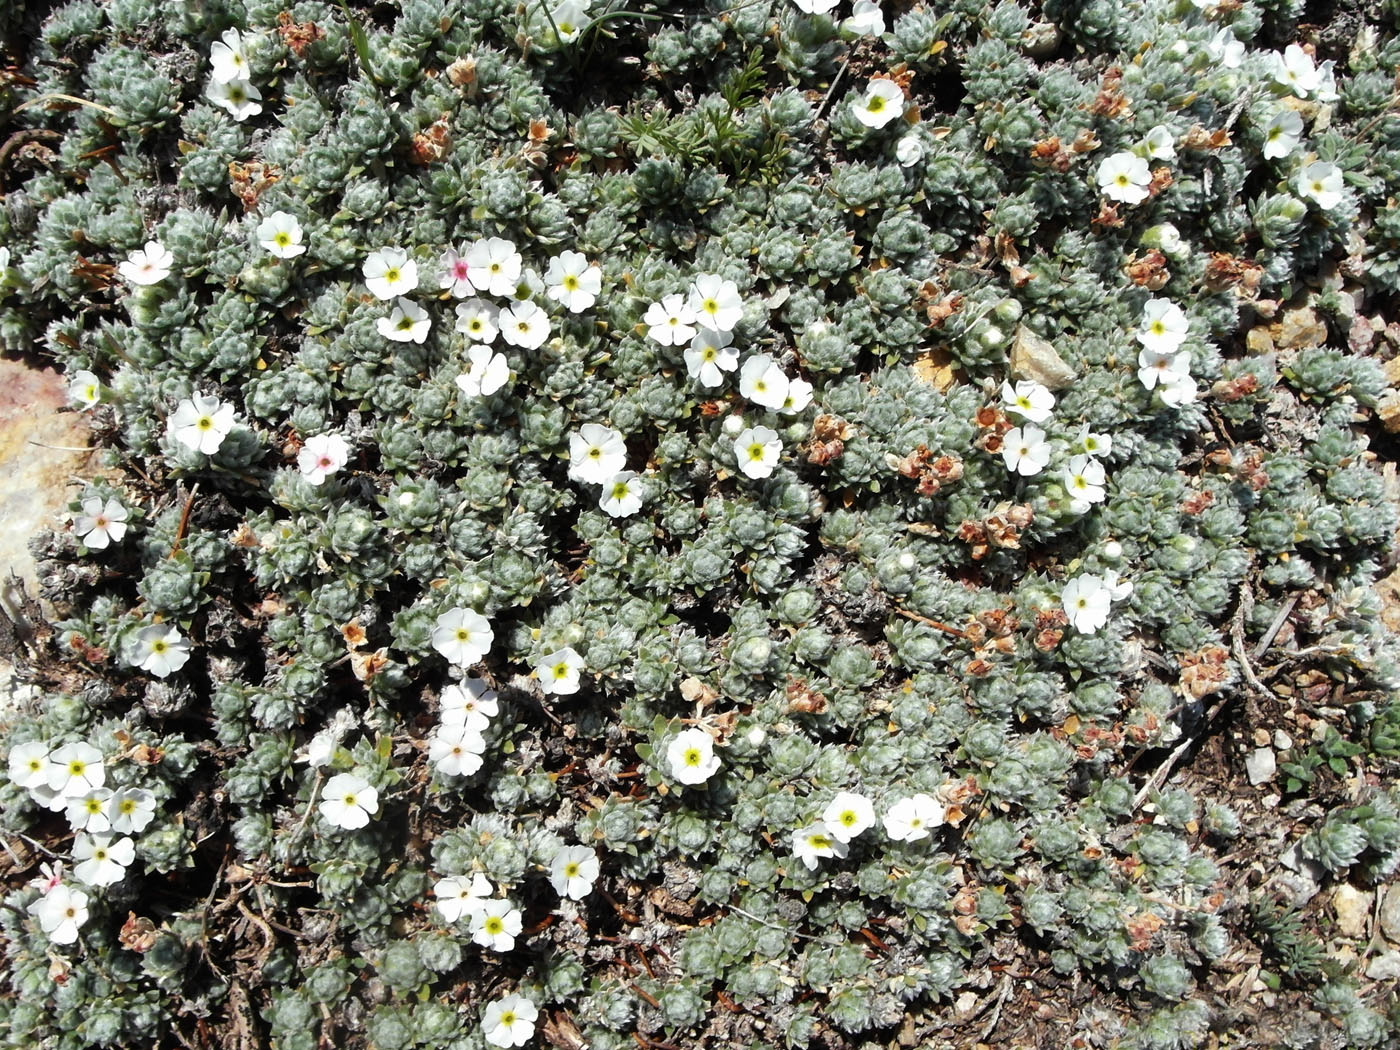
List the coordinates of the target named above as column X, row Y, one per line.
column 762, row 381
column 881, row 102
column 525, row 325
column 487, row 371
column 622, row 495
column 1164, row 371
column 456, row 750
column 568, row 20
column 100, row 523
column 227, row 57
column 757, row 451
column 1296, row 71
column 459, row 895
column 572, row 872
column 159, row 649
column 348, row 801
column 1084, row 481
column 1025, row 450
column 468, row 703
column 495, row 924
column 1178, row 389
column 866, row 19
column 909, row 819
column 558, row 671
column 1124, row 177
column 407, row 322
column 1086, row 602
column 1117, row 589
column 61, row 912
column 691, row 756
column 1164, row 326
column 91, row 812
column 281, row 234
column 509, row 1022
column 1091, row 444
column 389, row 273
column 596, row 454
column 494, row 266
column 815, row 841
column 84, row 388
column 572, row 281
column 240, row 98
column 75, row 769
column 670, row 322
column 102, row 861
column 148, row 265
column 456, row 274
column 201, row 423
column 1225, row 50
column 847, row 815
column 909, row 150
column 1321, row 183
column 29, row 764
column 1028, row 399
column 710, row 356
column 131, row 809
column 799, row 396
column 479, row 320
column 322, row 456
column 1158, row 145
column 463, row 636
column 1282, row 134
column 715, row 303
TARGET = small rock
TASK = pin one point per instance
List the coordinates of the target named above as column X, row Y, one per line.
column 1261, row 765
column 1390, row 913
column 1259, row 341
column 967, row 1002
column 1298, row 327
column 1352, row 906
column 1384, row 967
column 1282, row 740
column 1261, row 738
column 1034, row 358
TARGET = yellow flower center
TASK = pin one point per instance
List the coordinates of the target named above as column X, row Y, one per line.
column 494, row 925
column 205, row 423
column 392, row 274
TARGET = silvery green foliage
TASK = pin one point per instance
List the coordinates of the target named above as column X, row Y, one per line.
column 881, row 614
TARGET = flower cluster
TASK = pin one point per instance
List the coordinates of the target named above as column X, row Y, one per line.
column 457, row 743
column 229, row 87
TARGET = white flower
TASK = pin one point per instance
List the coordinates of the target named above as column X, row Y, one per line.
column 847, row 815
column 1321, row 183
column 1169, row 367
column 1326, row 90
column 757, row 450
column 455, row 275
column 100, row 523
column 458, row 895
column 407, row 322
column 159, row 649
column 469, row 704
column 1224, row 50
column 495, row 924
column 347, row 801
column 1028, row 399
column 227, row 57
column 131, row 809
column 463, row 636
column 710, row 356
column 239, row 97
column 558, row 672
column 1086, row 601
column 799, row 396
column 866, row 19
column 29, row 764
column 525, row 325
column 572, row 872
column 389, row 272
column 1177, row 390
column 1124, row 177
column 763, row 382
column 494, row 266
column 320, row 749
column 1117, row 589
column 280, row 234
column 91, row 812
column 715, row 303
column 201, row 423
column 75, row 769
column 670, row 322
column 570, row 19
column 321, row 456
column 909, row 819
column 456, row 750
column 816, row 841
column 881, row 102
column 815, row 7
column 101, row 862
column 61, row 912
column 1164, row 326
column 1167, row 237
column 1084, row 481
column 84, row 388
column 1294, row 70
column 1090, row 444
column 50, row 877
column 596, row 454
column 149, row 265
column 486, row 373
column 1282, row 134
column 691, row 756
column 1025, row 451
column 478, row 319
column 509, row 1021
column 622, row 495
column 570, row 280
column 1158, row 144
